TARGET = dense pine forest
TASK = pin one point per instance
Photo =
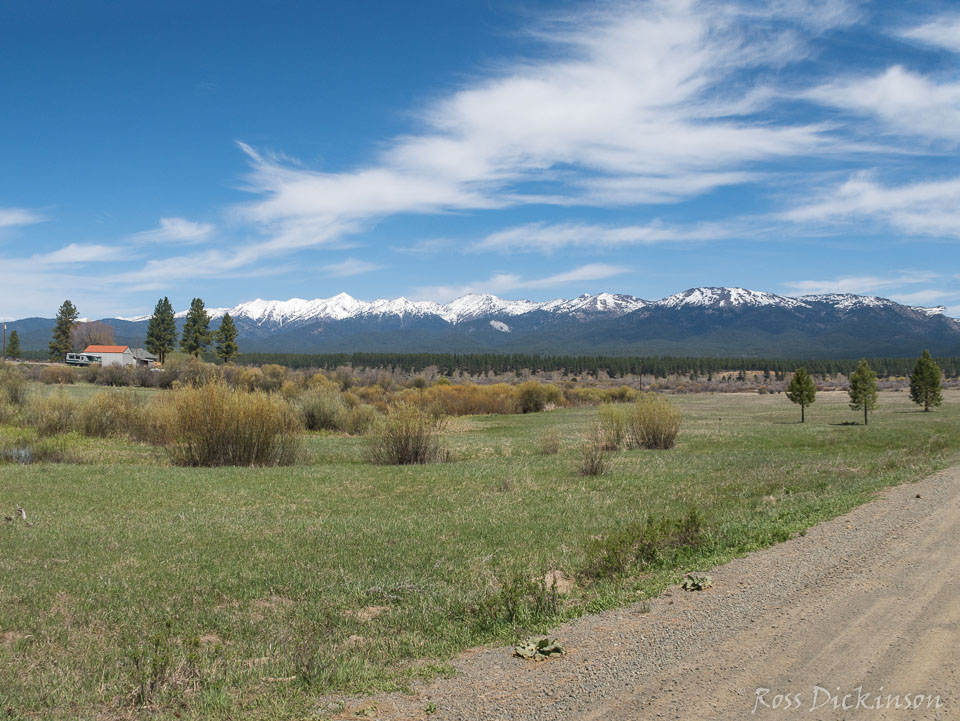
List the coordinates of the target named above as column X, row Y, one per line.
column 613, row 366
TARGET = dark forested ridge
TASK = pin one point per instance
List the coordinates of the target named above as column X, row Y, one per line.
column 476, row 364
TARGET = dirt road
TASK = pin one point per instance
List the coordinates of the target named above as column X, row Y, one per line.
column 859, row 619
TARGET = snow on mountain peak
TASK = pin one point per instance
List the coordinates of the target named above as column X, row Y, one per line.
column 484, row 305
column 728, row 298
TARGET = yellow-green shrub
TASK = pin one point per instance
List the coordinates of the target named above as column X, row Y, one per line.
column 408, row 435
column 534, row 397
column 13, row 386
column 214, row 426
column 112, row 413
column 58, row 375
column 53, row 413
column 653, row 422
column 466, row 398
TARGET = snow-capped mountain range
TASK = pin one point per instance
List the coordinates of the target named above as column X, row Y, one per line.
column 475, row 305
column 732, row 322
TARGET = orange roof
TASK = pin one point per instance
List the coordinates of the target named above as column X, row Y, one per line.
column 106, row 348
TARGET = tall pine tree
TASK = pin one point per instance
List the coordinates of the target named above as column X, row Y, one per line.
column 802, row 391
column 162, row 330
column 66, row 319
column 226, row 339
column 863, row 389
column 13, row 345
column 925, row 385
column 196, row 329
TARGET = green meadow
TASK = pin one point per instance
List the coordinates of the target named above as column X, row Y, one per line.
column 138, row 588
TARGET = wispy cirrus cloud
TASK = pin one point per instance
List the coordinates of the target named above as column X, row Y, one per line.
column 904, row 102
column 926, row 208
column 509, row 282
column 176, row 230
column 630, row 104
column 80, row 253
column 861, row 284
column 943, row 32
column 549, row 237
column 10, row 217
column 350, row 267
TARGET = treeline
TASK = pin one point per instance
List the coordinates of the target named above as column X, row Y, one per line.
column 476, row 364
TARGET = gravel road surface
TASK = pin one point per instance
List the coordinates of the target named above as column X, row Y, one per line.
column 858, row 619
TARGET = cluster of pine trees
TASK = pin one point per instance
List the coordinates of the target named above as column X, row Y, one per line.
column 161, row 332
column 926, row 388
column 196, row 337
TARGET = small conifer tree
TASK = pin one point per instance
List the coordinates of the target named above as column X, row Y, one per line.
column 863, row 389
column 925, row 385
column 226, row 340
column 802, row 391
column 196, row 329
column 13, row 345
column 66, row 318
column 162, row 330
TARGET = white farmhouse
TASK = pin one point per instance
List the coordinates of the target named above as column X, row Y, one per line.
column 111, row 355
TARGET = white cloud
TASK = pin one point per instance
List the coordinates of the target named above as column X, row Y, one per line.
column 176, row 230
column 860, row 284
column 351, row 266
column 929, row 208
column 510, row 282
column 546, row 237
column 927, row 297
column 905, row 102
column 634, row 104
column 943, row 32
column 10, row 217
column 82, row 253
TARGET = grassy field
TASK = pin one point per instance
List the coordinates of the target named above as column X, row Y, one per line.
column 144, row 589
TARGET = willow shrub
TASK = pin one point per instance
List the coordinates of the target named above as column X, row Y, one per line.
column 465, row 399
column 13, row 386
column 53, row 413
column 408, row 435
column 652, row 422
column 112, row 413
column 211, row 425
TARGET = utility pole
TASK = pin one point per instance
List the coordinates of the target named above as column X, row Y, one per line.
column 4, row 342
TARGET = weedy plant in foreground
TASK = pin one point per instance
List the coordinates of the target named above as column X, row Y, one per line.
column 593, row 453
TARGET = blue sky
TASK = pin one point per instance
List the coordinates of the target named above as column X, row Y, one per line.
column 234, row 150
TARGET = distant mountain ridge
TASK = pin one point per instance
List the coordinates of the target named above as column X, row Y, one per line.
column 477, row 305
column 697, row 321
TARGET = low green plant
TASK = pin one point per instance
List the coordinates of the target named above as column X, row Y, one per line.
column 521, row 601
column 549, row 443
column 651, row 543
